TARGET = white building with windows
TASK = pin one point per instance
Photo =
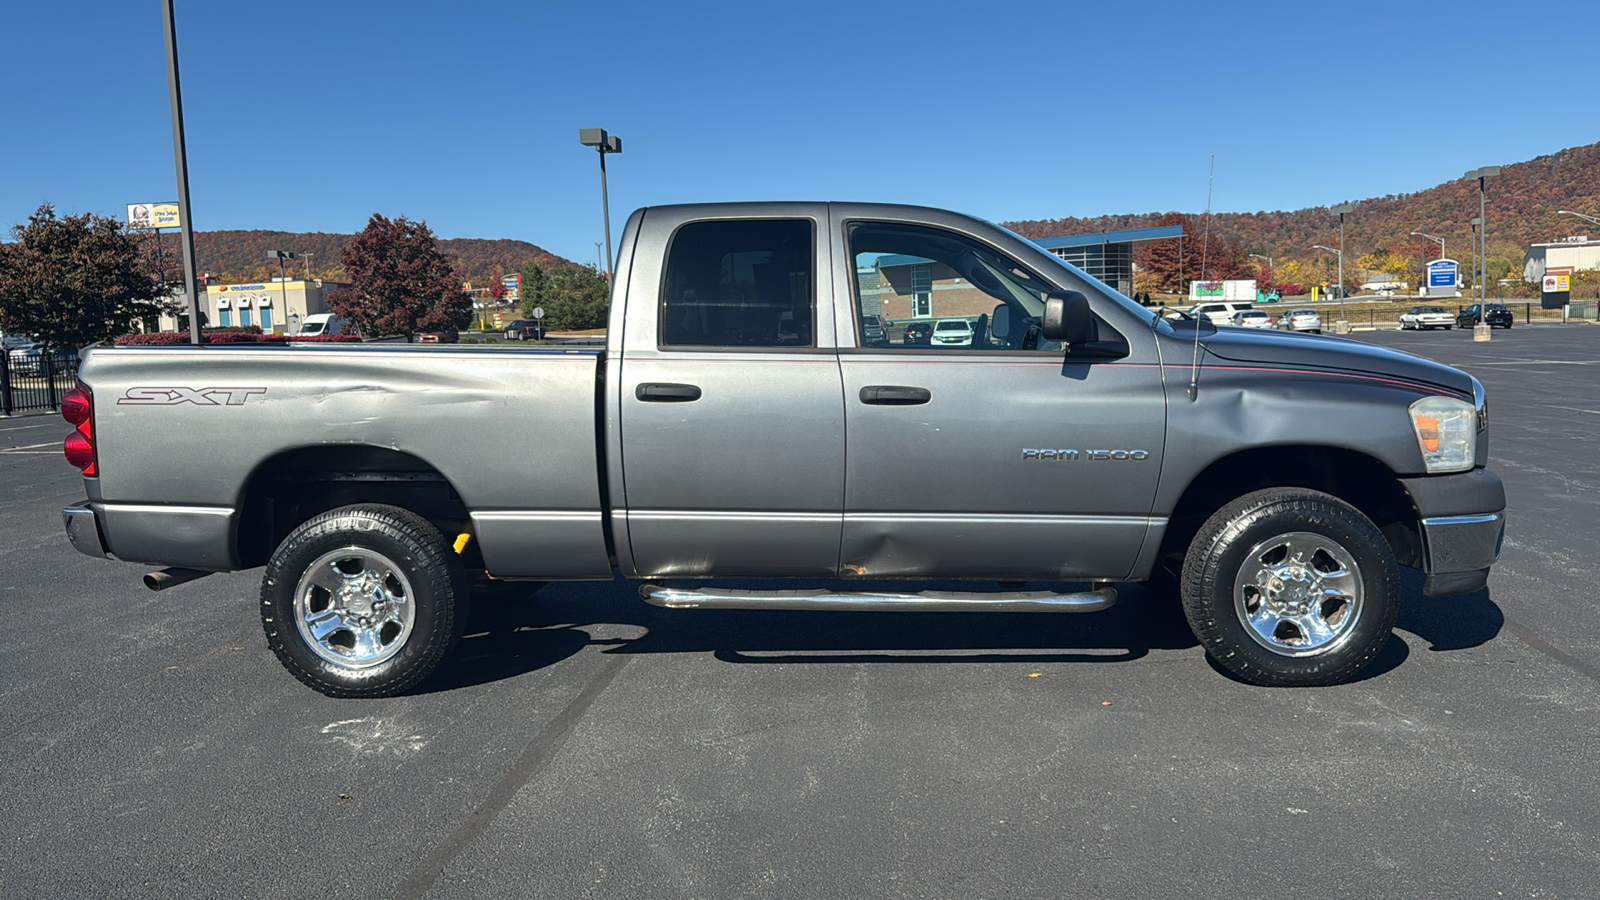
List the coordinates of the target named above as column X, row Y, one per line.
column 1564, row 257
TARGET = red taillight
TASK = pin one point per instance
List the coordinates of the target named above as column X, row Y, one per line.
column 77, row 407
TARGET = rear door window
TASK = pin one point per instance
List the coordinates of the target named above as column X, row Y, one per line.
column 740, row 283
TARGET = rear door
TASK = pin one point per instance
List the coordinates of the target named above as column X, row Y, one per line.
column 732, row 411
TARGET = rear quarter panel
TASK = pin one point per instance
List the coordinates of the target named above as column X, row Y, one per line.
column 184, row 429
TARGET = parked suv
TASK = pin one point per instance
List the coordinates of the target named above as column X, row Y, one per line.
column 1492, row 314
column 521, row 329
column 872, row 330
column 1219, row 313
column 953, row 333
column 918, row 333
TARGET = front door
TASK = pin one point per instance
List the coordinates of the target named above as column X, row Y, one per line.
column 999, row 459
column 732, row 414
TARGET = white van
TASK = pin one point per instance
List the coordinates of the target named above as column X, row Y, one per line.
column 321, row 323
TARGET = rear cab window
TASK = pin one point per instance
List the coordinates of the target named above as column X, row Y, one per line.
column 739, row 284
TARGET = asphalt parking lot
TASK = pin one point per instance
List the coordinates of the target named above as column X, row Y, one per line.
column 583, row 744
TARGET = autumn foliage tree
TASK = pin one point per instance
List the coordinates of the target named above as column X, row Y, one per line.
column 401, row 282
column 75, row 279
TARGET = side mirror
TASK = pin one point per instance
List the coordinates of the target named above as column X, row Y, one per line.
column 1067, row 318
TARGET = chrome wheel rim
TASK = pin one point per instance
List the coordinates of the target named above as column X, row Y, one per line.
column 354, row 607
column 1299, row 594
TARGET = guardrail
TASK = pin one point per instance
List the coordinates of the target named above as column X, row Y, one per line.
column 29, row 381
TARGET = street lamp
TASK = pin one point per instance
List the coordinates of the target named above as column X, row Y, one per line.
column 283, row 279
column 1267, row 258
column 1477, row 222
column 1568, row 212
column 1483, row 232
column 1423, row 288
column 1340, row 254
column 1341, row 209
column 604, row 143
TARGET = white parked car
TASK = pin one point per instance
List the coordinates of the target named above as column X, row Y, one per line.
column 1301, row 319
column 952, row 333
column 1252, row 318
column 1420, row 317
column 1218, row 313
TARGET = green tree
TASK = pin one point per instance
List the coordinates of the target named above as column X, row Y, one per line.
column 401, row 282
column 575, row 298
column 75, row 279
column 534, row 285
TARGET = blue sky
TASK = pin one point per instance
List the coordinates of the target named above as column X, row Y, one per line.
column 307, row 116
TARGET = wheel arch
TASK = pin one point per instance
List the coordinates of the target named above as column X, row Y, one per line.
column 1358, row 479
column 297, row 484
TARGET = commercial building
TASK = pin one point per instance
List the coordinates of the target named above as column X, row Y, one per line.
column 275, row 305
column 1564, row 257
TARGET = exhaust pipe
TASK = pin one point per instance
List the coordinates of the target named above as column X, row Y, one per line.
column 170, row 578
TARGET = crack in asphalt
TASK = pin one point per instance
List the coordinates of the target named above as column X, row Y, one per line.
column 541, row 750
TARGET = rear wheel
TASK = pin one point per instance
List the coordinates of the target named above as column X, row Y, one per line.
column 1290, row 587
column 363, row 601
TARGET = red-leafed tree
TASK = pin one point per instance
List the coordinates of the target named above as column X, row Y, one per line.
column 1161, row 259
column 75, row 279
column 400, row 281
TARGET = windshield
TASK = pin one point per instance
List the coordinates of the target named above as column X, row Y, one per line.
column 954, row 326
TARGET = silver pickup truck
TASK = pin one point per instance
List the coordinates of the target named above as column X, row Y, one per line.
column 769, row 404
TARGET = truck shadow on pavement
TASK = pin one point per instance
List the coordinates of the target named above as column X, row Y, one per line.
column 515, row 630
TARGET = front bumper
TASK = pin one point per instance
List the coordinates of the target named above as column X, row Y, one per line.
column 1463, row 525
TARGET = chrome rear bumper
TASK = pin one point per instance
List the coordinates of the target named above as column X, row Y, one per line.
column 83, row 530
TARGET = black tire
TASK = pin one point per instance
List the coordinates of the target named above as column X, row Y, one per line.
column 1217, row 588
column 400, row 587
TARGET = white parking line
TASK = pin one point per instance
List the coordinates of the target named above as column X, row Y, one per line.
column 22, row 427
column 28, row 447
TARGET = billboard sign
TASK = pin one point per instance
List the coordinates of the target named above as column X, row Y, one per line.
column 513, row 285
column 153, row 215
column 1442, row 278
column 1557, row 283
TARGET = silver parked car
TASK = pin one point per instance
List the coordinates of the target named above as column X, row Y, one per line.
column 1252, row 318
column 1301, row 319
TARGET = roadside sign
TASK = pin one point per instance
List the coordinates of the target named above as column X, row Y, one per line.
column 153, row 215
column 1554, row 283
column 538, row 312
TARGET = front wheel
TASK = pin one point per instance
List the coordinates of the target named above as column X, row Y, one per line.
column 363, row 601
column 1290, row 587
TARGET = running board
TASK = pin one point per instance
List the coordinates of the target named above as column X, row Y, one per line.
column 926, row 601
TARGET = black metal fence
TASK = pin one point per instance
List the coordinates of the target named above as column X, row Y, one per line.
column 35, row 380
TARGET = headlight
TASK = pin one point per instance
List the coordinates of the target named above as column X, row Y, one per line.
column 1447, row 432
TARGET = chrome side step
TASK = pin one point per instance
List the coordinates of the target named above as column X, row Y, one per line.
column 927, row 601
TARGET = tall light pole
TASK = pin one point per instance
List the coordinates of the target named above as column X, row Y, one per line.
column 1425, row 288
column 180, row 160
column 605, row 143
column 1267, row 258
column 1483, row 232
column 283, row 279
column 1341, row 209
column 1477, row 221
